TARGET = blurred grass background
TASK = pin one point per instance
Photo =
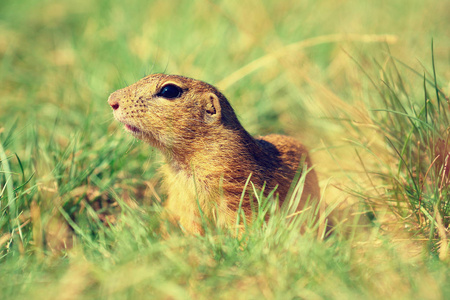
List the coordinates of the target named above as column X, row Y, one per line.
column 80, row 199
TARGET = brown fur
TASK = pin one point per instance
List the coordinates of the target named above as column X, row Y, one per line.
column 209, row 154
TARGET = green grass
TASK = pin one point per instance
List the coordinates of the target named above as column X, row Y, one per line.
column 365, row 86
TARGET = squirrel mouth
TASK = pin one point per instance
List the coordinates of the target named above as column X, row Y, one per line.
column 132, row 129
column 138, row 133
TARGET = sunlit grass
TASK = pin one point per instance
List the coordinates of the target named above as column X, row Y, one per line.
column 361, row 87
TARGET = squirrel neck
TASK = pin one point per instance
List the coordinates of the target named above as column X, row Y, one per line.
column 217, row 152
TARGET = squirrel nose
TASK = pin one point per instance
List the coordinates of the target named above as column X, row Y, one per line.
column 113, row 101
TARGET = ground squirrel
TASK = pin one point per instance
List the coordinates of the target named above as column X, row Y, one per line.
column 209, row 154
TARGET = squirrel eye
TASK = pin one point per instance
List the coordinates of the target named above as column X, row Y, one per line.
column 170, row 91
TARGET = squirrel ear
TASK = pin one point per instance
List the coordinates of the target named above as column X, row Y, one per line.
column 212, row 111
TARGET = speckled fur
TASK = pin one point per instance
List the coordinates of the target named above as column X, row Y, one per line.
column 209, row 154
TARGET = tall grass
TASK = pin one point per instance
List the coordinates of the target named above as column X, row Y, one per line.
column 416, row 128
column 80, row 201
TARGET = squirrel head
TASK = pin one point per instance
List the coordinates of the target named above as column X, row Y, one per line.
column 171, row 110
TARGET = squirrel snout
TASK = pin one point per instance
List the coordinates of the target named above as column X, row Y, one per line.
column 113, row 101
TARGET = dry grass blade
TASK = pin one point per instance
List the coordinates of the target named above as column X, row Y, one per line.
column 295, row 47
